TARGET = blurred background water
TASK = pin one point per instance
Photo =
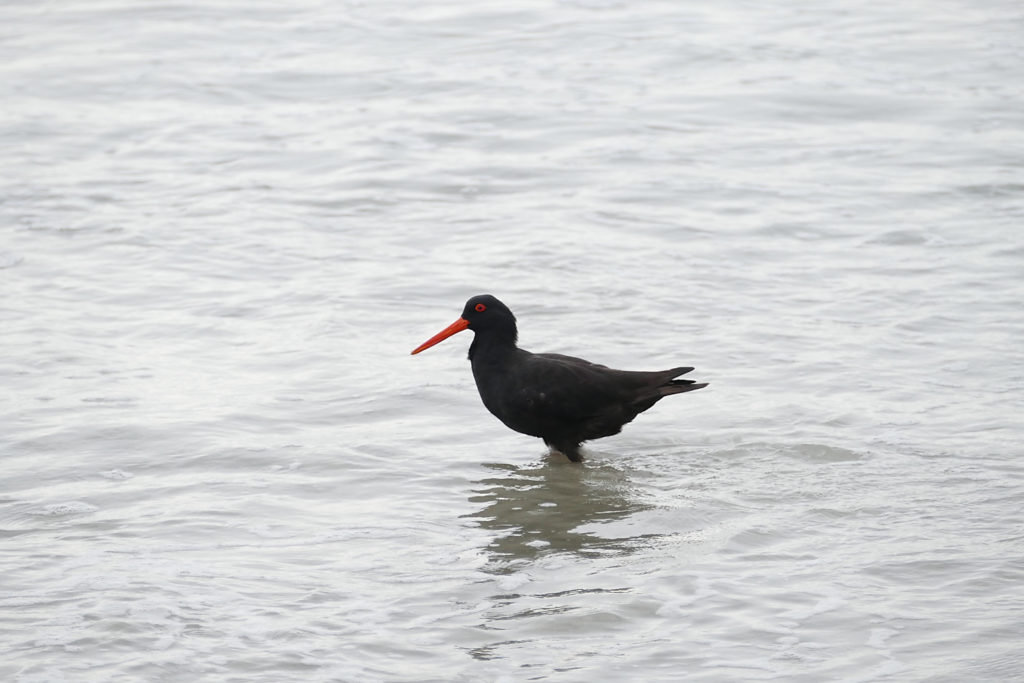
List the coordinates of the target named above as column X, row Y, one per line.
column 225, row 225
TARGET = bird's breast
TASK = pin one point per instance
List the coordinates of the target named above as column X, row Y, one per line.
column 516, row 404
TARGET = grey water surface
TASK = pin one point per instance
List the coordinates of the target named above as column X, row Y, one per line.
column 226, row 224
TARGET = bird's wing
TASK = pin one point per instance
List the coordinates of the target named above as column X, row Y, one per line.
column 570, row 389
column 567, row 360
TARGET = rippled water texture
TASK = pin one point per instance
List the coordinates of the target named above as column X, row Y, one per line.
column 225, row 225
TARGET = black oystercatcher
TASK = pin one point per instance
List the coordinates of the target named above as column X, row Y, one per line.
column 561, row 399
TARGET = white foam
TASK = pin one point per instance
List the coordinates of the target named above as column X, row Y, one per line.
column 74, row 507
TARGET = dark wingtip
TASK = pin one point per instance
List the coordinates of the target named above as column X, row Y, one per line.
column 679, row 386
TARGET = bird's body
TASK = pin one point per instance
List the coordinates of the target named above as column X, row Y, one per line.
column 561, row 399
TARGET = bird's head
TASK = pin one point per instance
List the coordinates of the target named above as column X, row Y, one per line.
column 482, row 312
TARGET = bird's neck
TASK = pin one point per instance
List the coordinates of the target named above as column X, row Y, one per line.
column 493, row 344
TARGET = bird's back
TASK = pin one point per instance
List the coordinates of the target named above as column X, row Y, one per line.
column 559, row 397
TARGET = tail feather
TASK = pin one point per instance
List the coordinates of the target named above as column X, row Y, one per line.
column 679, row 386
column 667, row 387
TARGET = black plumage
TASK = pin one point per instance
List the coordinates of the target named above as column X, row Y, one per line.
column 561, row 399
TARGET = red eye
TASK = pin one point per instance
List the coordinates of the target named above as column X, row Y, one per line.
column 480, row 308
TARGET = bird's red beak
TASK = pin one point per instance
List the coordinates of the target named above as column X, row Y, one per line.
column 457, row 326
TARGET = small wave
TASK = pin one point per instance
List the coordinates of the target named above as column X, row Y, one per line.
column 813, row 452
column 116, row 475
column 900, row 238
column 8, row 260
column 74, row 507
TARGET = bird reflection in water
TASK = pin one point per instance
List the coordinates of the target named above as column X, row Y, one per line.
column 552, row 507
